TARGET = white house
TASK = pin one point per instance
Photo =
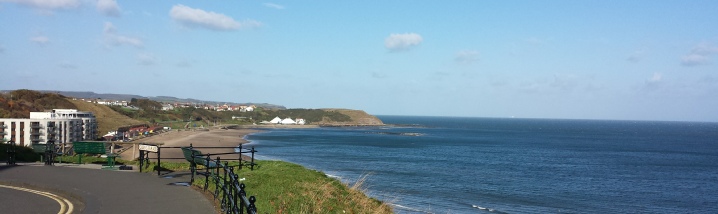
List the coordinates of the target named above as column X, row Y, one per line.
column 301, row 121
column 167, row 107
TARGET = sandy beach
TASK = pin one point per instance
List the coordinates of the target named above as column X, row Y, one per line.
column 198, row 138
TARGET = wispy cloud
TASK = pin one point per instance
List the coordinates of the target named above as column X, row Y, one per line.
column 402, row 41
column 40, row 40
column 635, row 57
column 699, row 55
column 273, row 5
column 193, row 18
column 109, row 8
column 691, row 60
column 654, row 83
column 184, row 64
column 146, row 59
column 46, row 4
column 378, row 75
column 114, row 39
column 67, row 65
column 657, row 77
column 467, row 56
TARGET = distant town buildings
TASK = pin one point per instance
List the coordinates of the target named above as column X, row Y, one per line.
column 172, row 106
column 56, row 126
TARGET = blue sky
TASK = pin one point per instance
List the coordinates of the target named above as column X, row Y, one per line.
column 628, row 60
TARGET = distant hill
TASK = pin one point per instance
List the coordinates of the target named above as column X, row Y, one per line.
column 357, row 118
column 128, row 97
column 19, row 104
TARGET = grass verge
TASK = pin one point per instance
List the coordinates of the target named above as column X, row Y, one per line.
column 282, row 187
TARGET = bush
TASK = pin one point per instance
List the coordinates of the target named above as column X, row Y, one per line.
column 24, row 154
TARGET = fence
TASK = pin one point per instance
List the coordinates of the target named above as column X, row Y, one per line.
column 228, row 187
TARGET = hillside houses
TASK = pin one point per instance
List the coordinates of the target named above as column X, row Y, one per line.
column 172, row 106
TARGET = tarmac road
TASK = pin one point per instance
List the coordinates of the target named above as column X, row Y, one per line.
column 93, row 190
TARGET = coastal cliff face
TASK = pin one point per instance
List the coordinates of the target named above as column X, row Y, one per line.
column 358, row 118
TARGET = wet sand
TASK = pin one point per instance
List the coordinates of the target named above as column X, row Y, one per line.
column 197, row 138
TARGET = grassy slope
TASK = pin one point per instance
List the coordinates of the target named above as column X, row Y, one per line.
column 282, row 187
column 107, row 119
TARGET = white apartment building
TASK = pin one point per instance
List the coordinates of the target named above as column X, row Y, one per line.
column 57, row 126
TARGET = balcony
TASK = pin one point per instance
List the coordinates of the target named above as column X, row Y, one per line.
column 35, row 126
column 36, row 133
column 36, row 139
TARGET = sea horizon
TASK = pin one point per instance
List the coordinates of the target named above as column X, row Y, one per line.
column 546, row 118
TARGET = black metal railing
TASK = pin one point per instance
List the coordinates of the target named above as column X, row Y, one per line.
column 228, row 187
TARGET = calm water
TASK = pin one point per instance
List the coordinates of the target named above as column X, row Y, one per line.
column 483, row 165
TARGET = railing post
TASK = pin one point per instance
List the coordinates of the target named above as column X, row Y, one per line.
column 206, row 172
column 142, row 154
column 242, row 194
column 252, row 208
column 216, row 178
column 225, row 197
column 240, row 156
column 159, row 167
column 252, row 166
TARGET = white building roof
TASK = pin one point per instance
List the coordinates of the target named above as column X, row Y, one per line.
column 288, row 121
column 276, row 120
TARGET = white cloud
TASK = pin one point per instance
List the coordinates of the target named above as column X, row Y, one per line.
column 705, row 49
column 273, row 5
column 694, row 60
column 112, row 38
column 40, row 40
column 47, row 4
column 403, row 41
column 146, row 59
column 700, row 55
column 191, row 17
column 109, row 8
column 109, row 28
column 467, row 56
column 655, row 83
column 657, row 77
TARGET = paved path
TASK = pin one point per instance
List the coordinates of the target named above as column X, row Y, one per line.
column 92, row 190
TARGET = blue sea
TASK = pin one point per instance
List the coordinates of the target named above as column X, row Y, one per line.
column 489, row 165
